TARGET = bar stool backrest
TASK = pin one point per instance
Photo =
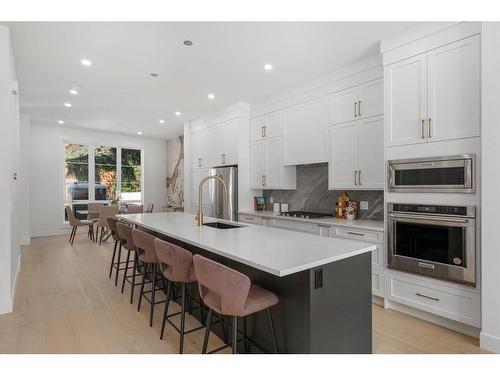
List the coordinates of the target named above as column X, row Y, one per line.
column 145, row 244
column 124, row 232
column 112, row 226
column 231, row 286
column 177, row 260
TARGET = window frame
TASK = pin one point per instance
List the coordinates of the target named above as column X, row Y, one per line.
column 91, row 169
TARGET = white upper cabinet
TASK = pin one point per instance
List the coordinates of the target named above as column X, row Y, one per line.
column 357, row 155
column 354, row 103
column 371, row 99
column 305, row 133
column 343, row 163
column 405, row 101
column 371, row 166
column 344, row 105
column 454, row 78
column 267, row 169
column 434, row 96
column 268, row 126
column 201, row 149
column 230, row 156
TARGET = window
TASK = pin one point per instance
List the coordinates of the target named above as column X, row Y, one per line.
column 100, row 173
column 131, row 175
column 76, row 178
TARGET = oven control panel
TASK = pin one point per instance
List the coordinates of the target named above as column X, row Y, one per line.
column 433, row 210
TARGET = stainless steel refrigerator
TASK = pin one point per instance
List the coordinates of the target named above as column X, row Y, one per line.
column 219, row 207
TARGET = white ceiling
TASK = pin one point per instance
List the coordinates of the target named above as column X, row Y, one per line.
column 117, row 93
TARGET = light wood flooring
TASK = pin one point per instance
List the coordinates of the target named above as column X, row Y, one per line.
column 65, row 303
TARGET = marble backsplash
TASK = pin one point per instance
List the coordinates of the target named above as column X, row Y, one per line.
column 312, row 194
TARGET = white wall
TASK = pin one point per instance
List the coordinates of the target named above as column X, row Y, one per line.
column 46, row 171
column 24, row 182
column 9, row 164
column 490, row 137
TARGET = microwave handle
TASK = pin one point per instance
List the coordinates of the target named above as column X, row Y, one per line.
column 427, row 219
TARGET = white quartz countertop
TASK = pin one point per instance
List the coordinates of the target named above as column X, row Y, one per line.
column 276, row 251
column 360, row 224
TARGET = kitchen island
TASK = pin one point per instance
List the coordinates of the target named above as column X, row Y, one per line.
column 324, row 284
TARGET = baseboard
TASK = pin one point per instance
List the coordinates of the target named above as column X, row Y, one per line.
column 6, row 305
column 53, row 232
column 432, row 318
column 377, row 300
column 25, row 241
column 489, row 342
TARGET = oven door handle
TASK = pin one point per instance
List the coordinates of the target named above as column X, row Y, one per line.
column 429, row 219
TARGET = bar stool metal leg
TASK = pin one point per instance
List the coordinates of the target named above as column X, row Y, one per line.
column 153, row 294
column 165, row 312
column 112, row 258
column 118, row 264
column 126, row 270
column 183, row 318
column 144, row 272
column 207, row 331
column 272, row 330
column 235, row 335
column 134, row 270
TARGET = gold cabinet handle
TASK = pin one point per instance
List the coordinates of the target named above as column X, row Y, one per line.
column 359, row 177
column 265, row 131
column 359, row 108
column 355, row 109
column 430, row 127
column 355, row 177
column 262, row 132
column 428, row 297
column 199, row 162
column 223, row 158
column 422, row 129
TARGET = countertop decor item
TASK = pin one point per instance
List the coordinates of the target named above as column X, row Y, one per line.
column 259, row 203
column 346, row 208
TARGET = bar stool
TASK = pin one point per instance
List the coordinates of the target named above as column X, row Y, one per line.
column 176, row 265
column 116, row 265
column 127, row 242
column 145, row 245
column 231, row 293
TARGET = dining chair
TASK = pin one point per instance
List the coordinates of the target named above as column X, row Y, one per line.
column 104, row 213
column 149, row 210
column 135, row 209
column 93, row 214
column 75, row 223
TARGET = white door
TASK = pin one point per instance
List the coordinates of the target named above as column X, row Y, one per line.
column 454, row 79
column 257, row 128
column 305, row 133
column 371, row 153
column 231, row 143
column 343, row 105
column 371, row 98
column 273, row 125
column 257, row 163
column 273, row 163
column 405, row 101
column 343, row 156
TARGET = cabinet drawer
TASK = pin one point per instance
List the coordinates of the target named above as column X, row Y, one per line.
column 358, row 234
column 295, row 225
column 451, row 303
column 378, row 281
column 250, row 219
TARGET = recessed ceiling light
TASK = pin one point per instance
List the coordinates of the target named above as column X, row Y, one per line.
column 152, row 74
column 178, row 113
column 86, row 62
column 211, row 96
column 74, row 91
column 68, row 105
column 268, row 67
column 60, row 122
column 139, row 133
column 161, row 121
column 188, row 43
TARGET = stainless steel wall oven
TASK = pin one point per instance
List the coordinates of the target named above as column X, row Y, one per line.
column 445, row 174
column 437, row 241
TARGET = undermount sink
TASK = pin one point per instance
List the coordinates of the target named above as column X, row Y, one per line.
column 220, row 225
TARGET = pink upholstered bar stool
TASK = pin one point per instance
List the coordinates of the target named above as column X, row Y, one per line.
column 145, row 245
column 124, row 232
column 176, row 265
column 116, row 265
column 231, row 293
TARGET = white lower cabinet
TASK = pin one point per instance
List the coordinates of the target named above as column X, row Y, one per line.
column 378, row 281
column 297, row 226
column 434, row 297
column 250, row 219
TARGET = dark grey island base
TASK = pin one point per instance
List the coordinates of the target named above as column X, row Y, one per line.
column 326, row 309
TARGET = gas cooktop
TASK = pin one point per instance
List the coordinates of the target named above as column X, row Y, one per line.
column 306, row 214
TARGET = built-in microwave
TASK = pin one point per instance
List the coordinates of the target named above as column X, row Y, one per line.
column 446, row 174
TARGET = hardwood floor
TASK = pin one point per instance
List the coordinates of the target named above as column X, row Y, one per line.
column 65, row 303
